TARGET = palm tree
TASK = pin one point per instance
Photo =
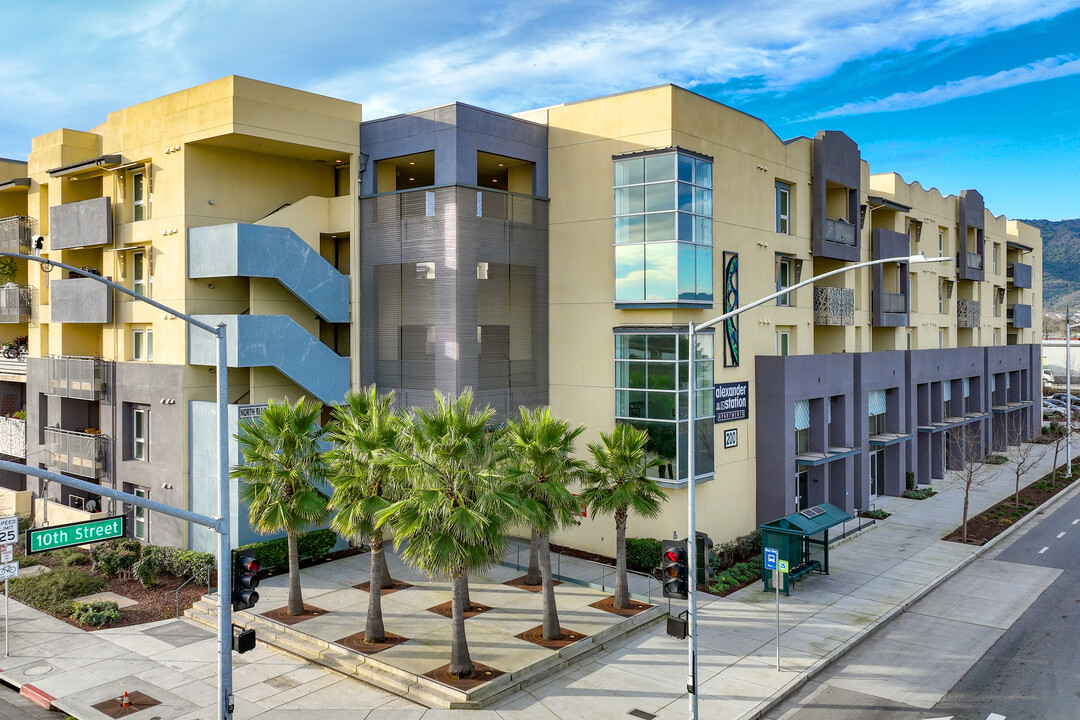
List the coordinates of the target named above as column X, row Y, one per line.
column 362, row 431
column 280, row 479
column 541, row 463
column 456, row 507
column 618, row 484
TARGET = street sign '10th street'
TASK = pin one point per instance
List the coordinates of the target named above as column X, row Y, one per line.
column 82, row 533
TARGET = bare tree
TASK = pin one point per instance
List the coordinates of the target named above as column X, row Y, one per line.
column 1027, row 454
column 967, row 445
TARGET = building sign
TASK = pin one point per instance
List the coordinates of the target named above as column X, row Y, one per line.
column 731, row 401
column 250, row 411
column 731, row 438
column 80, row 533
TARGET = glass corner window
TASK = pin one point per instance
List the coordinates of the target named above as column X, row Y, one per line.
column 663, row 229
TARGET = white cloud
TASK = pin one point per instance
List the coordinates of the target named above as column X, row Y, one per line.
column 1046, row 69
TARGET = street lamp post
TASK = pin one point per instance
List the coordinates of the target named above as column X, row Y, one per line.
column 691, row 533
column 219, row 524
column 1068, row 393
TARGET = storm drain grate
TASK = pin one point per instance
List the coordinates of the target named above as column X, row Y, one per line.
column 641, row 714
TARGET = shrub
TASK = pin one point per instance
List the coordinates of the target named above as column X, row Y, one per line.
column 115, row 557
column 642, row 554
column 877, row 514
column 274, row 554
column 736, row 575
column 97, row 613
column 156, row 560
column 69, row 557
column 54, row 591
column 910, row 480
column 996, row 460
column 741, row 549
column 920, row 493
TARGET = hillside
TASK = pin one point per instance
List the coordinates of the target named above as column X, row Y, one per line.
column 1061, row 262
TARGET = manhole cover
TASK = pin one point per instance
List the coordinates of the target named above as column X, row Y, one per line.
column 38, row 670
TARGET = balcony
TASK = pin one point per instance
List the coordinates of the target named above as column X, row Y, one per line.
column 969, row 266
column 968, row 313
column 13, row 437
column 82, row 378
column 839, row 231
column 240, row 250
column 14, row 303
column 80, row 224
column 1019, row 315
column 834, row 306
column 15, row 234
column 1019, row 275
column 80, row 300
column 13, row 366
column 893, row 302
column 75, row 453
column 279, row 342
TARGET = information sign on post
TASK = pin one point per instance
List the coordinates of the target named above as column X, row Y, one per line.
column 81, row 533
column 7, row 552
column 9, row 571
column 9, row 530
column 772, row 557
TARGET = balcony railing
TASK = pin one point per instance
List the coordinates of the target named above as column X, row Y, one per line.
column 13, row 366
column 834, row 306
column 839, row 231
column 970, row 260
column 968, row 313
column 14, row 303
column 1019, row 315
column 15, row 234
column 1019, row 274
column 77, row 453
column 13, row 437
column 893, row 302
column 82, row 378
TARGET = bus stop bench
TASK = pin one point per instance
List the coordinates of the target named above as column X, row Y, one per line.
column 803, row 569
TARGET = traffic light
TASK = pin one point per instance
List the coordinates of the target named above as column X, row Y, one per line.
column 244, row 580
column 673, row 569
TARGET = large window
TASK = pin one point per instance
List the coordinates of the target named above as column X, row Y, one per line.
column 140, row 433
column 651, row 392
column 876, row 406
column 783, row 208
column 142, row 344
column 663, row 229
column 787, row 271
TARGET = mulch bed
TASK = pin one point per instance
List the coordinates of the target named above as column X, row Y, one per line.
column 574, row 552
column 356, row 643
column 394, row 586
column 446, row 609
column 481, row 674
column 608, row 605
column 536, row 637
column 997, row 519
column 282, row 615
column 519, row 582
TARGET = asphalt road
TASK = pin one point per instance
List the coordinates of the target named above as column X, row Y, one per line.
column 14, row 706
column 1030, row 672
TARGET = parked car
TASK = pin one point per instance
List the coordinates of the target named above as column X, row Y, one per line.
column 1053, row 411
column 1060, row 397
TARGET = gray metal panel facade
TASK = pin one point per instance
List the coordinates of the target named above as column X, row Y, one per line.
column 887, row 243
column 80, row 224
column 970, row 212
column 1020, row 275
column 80, row 300
column 836, row 160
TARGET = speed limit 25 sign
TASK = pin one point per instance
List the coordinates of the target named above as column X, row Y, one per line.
column 9, row 530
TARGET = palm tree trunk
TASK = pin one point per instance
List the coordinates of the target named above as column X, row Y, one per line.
column 622, row 589
column 296, row 600
column 552, row 630
column 378, row 561
column 532, row 577
column 461, row 665
column 374, row 632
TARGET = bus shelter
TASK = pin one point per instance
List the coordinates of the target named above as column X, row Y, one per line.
column 802, row 539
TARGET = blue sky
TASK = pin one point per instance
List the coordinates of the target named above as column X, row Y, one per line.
column 955, row 94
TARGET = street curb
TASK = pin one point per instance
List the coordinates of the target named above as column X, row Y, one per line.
column 814, row 670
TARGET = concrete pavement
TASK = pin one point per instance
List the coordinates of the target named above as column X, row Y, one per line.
column 876, row 575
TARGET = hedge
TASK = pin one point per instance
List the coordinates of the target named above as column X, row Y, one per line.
column 642, row 554
column 274, row 554
column 156, row 560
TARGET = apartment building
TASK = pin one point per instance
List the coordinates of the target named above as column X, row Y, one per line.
column 555, row 256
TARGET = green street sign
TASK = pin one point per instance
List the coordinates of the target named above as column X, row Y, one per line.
column 80, row 533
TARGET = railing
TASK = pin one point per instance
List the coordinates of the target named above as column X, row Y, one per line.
column 556, row 572
column 834, row 306
column 970, row 260
column 893, row 302
column 82, row 378
column 13, row 437
column 858, row 523
column 176, row 592
column 15, row 234
column 839, row 231
column 968, row 313
column 78, row 453
column 13, row 366
column 14, row 303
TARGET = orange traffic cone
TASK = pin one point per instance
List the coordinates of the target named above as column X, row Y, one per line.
column 124, row 701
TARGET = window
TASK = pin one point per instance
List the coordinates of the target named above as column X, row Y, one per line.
column 941, row 296
column 783, row 342
column 787, row 271
column 997, row 339
column 802, row 427
column 941, row 242
column 140, row 278
column 651, row 393
column 663, row 229
column 908, row 339
column 142, row 344
column 802, row 490
column 140, row 433
column 140, row 516
column 941, row 338
column 783, row 208
column 997, row 251
column 140, row 206
column 876, row 406
column 998, row 292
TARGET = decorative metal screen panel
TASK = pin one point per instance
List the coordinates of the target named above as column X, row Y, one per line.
column 968, row 313
column 731, row 301
column 802, row 414
column 77, row 453
column 454, row 284
column 75, row 377
column 15, row 234
column 834, row 306
column 14, row 303
column 13, row 437
column 876, row 402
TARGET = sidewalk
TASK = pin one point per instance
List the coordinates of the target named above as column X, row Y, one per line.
column 875, row 576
